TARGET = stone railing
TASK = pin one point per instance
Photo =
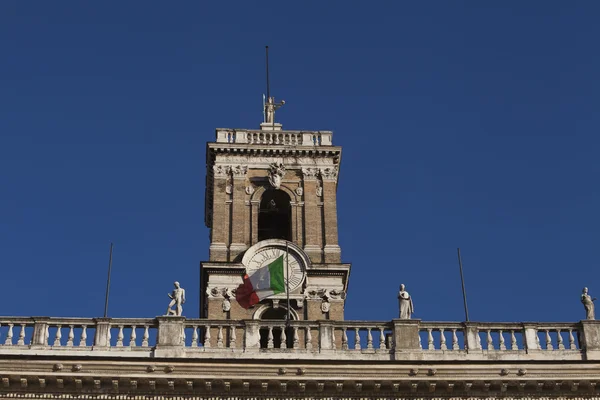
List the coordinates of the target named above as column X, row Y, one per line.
column 371, row 340
column 283, row 138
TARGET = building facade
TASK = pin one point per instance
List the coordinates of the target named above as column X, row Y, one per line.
column 271, row 193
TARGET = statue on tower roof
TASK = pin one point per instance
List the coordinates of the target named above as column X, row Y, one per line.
column 270, row 107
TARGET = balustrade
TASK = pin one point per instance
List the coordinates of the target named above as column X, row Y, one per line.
column 364, row 336
column 282, row 138
column 315, row 337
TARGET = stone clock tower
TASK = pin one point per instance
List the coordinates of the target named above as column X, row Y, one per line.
column 272, row 192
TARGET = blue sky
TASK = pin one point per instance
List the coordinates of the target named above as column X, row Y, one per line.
column 463, row 124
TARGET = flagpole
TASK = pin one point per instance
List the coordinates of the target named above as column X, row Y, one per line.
column 287, row 280
column 108, row 281
column 462, row 280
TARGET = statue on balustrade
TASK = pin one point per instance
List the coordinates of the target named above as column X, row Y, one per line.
column 177, row 299
column 588, row 304
column 405, row 303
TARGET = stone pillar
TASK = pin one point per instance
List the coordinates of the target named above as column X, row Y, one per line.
column 220, row 214
column 472, row 342
column 255, row 208
column 326, row 339
column 102, row 336
column 238, row 214
column 169, row 338
column 312, row 219
column 332, row 250
column 299, row 214
column 530, row 337
column 251, row 336
column 406, row 339
column 590, row 339
column 40, row 330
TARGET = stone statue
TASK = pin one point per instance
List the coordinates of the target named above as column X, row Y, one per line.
column 588, row 304
column 270, row 107
column 276, row 173
column 405, row 303
column 177, row 299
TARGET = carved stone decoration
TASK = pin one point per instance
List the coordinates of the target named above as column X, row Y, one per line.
column 226, row 305
column 310, row 173
column 276, row 173
column 221, row 171
column 239, row 170
column 229, row 186
column 314, row 293
column 337, row 294
column 319, row 189
column 220, row 293
column 250, row 189
column 299, row 191
column 329, row 173
column 325, row 306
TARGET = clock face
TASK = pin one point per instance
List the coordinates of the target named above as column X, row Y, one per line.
column 293, row 266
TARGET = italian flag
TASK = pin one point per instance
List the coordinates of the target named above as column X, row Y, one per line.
column 264, row 282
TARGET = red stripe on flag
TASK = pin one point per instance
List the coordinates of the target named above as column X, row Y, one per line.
column 245, row 294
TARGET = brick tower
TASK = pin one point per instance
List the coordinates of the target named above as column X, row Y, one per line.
column 269, row 192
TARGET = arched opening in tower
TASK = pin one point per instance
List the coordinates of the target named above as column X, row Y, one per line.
column 275, row 216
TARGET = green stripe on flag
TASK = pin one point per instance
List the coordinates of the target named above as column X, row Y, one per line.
column 276, row 273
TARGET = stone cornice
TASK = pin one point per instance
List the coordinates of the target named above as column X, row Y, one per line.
column 352, row 379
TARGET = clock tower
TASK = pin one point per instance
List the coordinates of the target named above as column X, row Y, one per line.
column 271, row 193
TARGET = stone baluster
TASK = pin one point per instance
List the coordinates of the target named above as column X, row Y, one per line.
column 513, row 340
column 430, row 344
column 207, row 337
column 489, row 340
column 83, row 337
column 572, row 340
column 133, row 337
column 369, row 339
column 220, row 337
column 420, row 344
column 270, row 343
column 308, row 338
column 58, row 336
column 356, row 339
column 501, row 338
column 232, row 337
column 283, row 338
column 70, row 336
column 381, row 338
column 9, row 335
column 455, row 345
column 194, row 336
column 344, row 339
column 21, row 340
column 296, row 338
column 120, row 336
column 561, row 345
column 145, row 336
column 548, row 341
column 442, row 340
